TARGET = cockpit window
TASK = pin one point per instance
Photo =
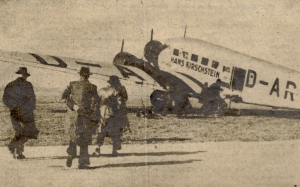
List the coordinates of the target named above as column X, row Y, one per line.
column 204, row 61
column 215, row 64
column 194, row 58
column 176, row 52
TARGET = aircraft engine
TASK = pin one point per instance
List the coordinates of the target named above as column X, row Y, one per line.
column 152, row 50
column 125, row 58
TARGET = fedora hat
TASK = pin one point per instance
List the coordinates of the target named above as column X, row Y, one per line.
column 113, row 79
column 85, row 71
column 23, row 71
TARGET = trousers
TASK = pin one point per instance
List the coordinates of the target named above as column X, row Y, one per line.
column 24, row 125
column 111, row 129
column 83, row 153
column 80, row 132
column 17, row 143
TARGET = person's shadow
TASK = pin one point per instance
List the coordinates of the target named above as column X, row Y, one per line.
column 130, row 164
column 138, row 164
column 121, row 155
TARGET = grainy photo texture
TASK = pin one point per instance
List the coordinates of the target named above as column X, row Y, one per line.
column 150, row 93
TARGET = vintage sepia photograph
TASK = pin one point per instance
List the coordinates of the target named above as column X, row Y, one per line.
column 143, row 93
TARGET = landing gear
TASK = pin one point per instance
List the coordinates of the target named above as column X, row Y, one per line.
column 159, row 100
column 214, row 106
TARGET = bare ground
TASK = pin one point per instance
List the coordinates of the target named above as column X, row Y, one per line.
column 50, row 120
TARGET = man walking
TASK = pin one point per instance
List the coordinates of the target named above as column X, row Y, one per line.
column 113, row 114
column 82, row 100
column 19, row 97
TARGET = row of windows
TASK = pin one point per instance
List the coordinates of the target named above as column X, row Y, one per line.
column 204, row 61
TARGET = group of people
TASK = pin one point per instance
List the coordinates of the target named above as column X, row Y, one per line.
column 90, row 111
column 178, row 100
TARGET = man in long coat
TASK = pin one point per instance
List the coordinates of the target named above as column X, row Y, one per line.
column 82, row 100
column 19, row 97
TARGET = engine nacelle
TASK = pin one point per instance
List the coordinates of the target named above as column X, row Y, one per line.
column 124, row 58
column 152, row 50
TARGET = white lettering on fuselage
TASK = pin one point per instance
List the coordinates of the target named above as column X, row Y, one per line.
column 195, row 67
column 250, row 77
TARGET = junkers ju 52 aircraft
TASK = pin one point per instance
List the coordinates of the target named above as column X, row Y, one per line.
column 179, row 69
column 189, row 66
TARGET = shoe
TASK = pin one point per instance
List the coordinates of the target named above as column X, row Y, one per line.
column 69, row 161
column 20, row 156
column 115, row 153
column 12, row 150
column 69, row 152
column 83, row 166
column 97, row 152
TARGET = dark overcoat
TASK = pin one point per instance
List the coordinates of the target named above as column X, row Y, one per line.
column 83, row 122
column 20, row 98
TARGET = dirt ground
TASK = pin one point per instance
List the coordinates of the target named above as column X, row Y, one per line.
column 247, row 150
column 249, row 127
column 208, row 164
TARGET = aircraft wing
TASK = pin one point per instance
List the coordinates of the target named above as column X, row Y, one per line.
column 50, row 75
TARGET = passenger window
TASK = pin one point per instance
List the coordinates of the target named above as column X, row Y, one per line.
column 215, row 64
column 176, row 52
column 204, row 61
column 185, row 54
column 194, row 58
column 226, row 69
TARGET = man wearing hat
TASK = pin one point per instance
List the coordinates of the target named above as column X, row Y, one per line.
column 82, row 100
column 113, row 114
column 19, row 97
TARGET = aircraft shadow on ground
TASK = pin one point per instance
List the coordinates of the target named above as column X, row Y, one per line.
column 198, row 114
column 243, row 112
column 121, row 155
column 291, row 114
column 271, row 113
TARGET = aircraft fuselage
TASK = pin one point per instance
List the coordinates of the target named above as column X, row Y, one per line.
column 254, row 80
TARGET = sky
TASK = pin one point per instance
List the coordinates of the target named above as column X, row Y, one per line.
column 94, row 29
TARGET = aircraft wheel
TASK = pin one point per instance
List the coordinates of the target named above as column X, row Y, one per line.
column 158, row 99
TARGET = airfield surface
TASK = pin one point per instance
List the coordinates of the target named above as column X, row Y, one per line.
column 250, row 150
column 265, row 164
